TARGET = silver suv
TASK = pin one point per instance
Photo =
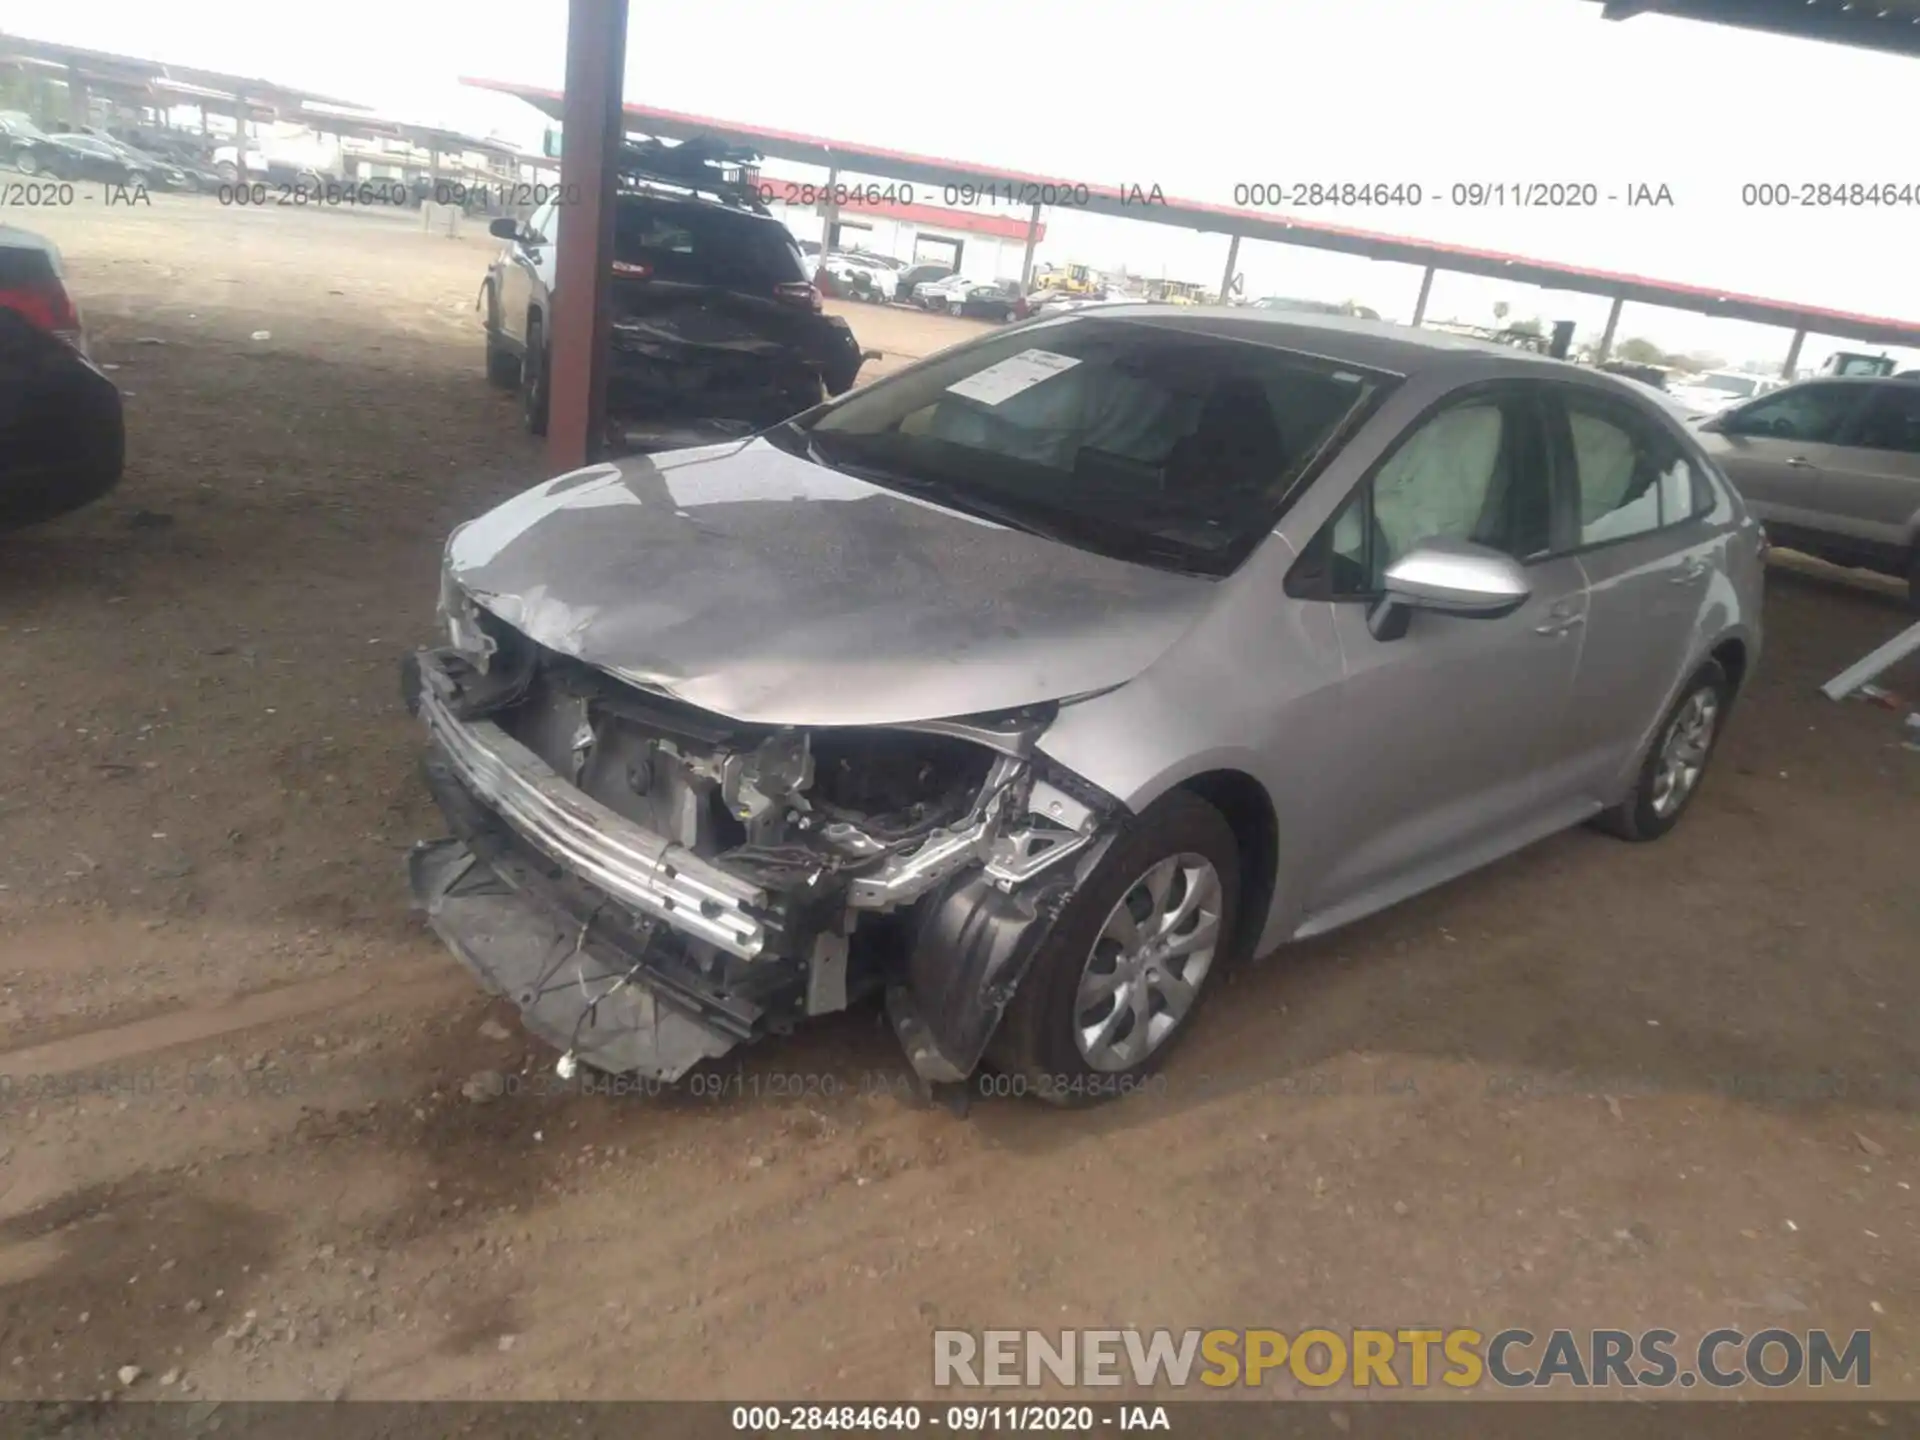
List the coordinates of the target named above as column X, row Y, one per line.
column 1033, row 685
column 1832, row 467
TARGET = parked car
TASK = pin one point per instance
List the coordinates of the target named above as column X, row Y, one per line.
column 714, row 316
column 861, row 277
column 70, row 155
column 1832, row 466
column 1035, row 684
column 162, row 174
column 187, row 153
column 62, row 442
column 23, row 144
column 997, row 301
column 915, row 276
column 942, row 294
column 1714, row 390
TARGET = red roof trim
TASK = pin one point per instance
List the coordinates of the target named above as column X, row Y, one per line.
column 1311, row 227
column 1003, row 227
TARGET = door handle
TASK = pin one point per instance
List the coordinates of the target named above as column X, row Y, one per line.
column 1560, row 625
column 1799, row 462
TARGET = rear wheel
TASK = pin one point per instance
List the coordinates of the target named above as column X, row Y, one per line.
column 533, row 379
column 27, row 162
column 1119, row 979
column 1671, row 773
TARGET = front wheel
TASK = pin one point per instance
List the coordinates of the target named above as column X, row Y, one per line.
column 27, row 162
column 1119, row 979
column 1670, row 775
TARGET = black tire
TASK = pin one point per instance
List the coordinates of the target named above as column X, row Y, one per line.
column 1639, row 817
column 503, row 366
column 228, row 172
column 1913, row 580
column 533, row 379
column 26, row 162
column 1036, row 1042
column 137, row 180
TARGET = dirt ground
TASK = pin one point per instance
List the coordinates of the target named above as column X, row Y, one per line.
column 1596, row 1085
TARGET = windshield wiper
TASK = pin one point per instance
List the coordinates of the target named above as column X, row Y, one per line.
column 967, row 502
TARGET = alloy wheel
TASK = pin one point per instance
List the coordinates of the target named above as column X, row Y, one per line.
column 1148, row 962
column 1683, row 751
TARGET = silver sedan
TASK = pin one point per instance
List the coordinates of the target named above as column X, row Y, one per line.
column 1033, row 686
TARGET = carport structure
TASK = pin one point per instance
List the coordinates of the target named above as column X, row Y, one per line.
column 594, row 122
column 138, row 81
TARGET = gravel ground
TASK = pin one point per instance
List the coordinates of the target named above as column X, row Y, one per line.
column 1595, row 1085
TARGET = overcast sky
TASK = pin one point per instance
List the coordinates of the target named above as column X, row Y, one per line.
column 1206, row 96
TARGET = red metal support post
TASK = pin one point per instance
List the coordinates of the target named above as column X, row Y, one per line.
column 592, row 130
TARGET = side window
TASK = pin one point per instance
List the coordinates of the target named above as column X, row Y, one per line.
column 1631, row 478
column 1465, row 474
column 1891, row 421
column 1813, row 413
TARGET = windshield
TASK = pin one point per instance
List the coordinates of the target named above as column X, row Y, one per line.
column 1134, row 439
column 1739, row 385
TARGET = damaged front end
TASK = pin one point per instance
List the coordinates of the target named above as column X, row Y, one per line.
column 653, row 884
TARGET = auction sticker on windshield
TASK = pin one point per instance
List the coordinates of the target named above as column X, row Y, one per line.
column 1004, row 380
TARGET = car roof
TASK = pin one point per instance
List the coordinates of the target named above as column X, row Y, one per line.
column 1372, row 344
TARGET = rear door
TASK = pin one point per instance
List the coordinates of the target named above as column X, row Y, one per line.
column 1637, row 515
column 1870, row 489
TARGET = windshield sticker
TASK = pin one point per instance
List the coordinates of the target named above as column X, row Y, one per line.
column 1011, row 376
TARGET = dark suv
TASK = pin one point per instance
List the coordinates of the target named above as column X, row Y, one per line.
column 715, row 325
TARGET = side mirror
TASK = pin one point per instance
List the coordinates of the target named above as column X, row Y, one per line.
column 505, row 228
column 1453, row 577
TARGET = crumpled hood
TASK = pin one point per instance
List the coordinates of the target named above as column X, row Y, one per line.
column 755, row 584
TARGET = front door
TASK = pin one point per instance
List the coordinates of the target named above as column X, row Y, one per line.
column 1776, row 449
column 1448, row 729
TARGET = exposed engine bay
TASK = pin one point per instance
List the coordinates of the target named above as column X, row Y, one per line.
column 653, row 883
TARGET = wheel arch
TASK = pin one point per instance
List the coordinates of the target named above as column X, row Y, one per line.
column 1249, row 812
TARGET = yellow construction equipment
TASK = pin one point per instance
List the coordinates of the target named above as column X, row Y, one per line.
column 1067, row 279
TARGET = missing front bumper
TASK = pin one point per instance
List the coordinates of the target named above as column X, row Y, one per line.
column 573, row 991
